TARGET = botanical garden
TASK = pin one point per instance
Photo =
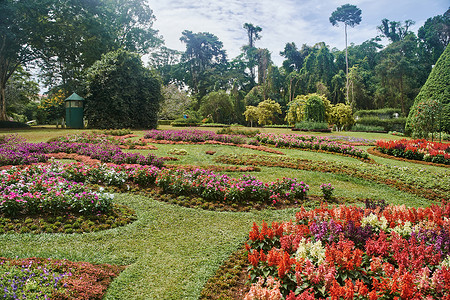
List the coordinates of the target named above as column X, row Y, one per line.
column 203, row 177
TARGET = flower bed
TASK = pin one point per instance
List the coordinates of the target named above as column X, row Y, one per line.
column 38, row 278
column 53, row 198
column 98, row 138
column 311, row 143
column 346, row 252
column 196, row 183
column 417, row 150
column 216, row 187
column 423, row 183
column 38, row 190
column 193, row 135
column 18, row 152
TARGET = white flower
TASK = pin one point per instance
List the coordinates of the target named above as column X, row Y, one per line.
column 375, row 222
column 313, row 251
column 403, row 230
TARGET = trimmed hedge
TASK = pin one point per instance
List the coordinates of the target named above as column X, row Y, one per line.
column 437, row 87
column 181, row 122
column 384, row 113
column 13, row 124
column 165, row 122
column 397, row 124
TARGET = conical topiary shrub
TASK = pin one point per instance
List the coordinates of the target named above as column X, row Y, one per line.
column 425, row 114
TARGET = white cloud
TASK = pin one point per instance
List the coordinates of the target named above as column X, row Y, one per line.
column 282, row 21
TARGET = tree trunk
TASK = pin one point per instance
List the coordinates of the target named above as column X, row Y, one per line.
column 402, row 99
column 346, row 62
column 3, row 102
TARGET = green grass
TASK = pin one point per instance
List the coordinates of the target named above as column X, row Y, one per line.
column 170, row 251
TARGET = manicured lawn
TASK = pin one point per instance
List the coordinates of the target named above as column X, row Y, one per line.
column 171, row 251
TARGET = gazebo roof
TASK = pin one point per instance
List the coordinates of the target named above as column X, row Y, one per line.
column 74, row 96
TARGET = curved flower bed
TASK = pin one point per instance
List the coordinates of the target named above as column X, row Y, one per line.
column 417, row 150
column 40, row 190
column 194, row 135
column 39, row 278
column 375, row 152
column 18, row 152
column 310, row 142
column 427, row 184
column 352, row 253
column 215, row 187
column 98, row 138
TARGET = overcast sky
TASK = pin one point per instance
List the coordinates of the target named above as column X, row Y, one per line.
column 282, row 21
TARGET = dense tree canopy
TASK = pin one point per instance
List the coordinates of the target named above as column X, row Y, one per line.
column 65, row 37
column 121, row 93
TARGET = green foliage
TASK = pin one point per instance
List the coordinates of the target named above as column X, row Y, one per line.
column 117, row 132
column 384, row 113
column 296, row 110
column 267, row 111
column 367, row 128
column 255, row 96
column 434, row 36
column 315, row 109
column 12, row 124
column 396, row 124
column 264, row 113
column 174, row 102
column 204, row 53
column 182, row 122
column 311, row 126
column 437, row 88
column 426, row 118
column 53, row 105
column 342, row 116
column 121, row 93
column 20, row 91
column 165, row 122
column 318, row 67
column 218, row 106
column 238, row 131
column 251, row 114
column 348, row 14
column 319, row 104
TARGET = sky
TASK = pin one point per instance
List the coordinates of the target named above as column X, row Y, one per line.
column 283, row 21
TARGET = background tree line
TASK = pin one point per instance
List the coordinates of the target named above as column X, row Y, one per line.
column 65, row 38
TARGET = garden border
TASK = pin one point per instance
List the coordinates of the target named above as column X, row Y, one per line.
column 375, row 152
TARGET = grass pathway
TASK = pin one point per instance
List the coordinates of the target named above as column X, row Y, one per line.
column 170, row 251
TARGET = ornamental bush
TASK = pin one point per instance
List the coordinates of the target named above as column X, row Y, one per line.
column 315, row 109
column 384, row 252
column 437, row 88
column 121, row 93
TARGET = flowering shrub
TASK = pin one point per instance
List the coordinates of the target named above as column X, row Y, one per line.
column 17, row 152
column 215, row 187
column 115, row 137
column 310, row 142
column 193, row 135
column 417, row 149
column 327, row 190
column 354, row 253
column 38, row 278
column 425, row 183
column 39, row 189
